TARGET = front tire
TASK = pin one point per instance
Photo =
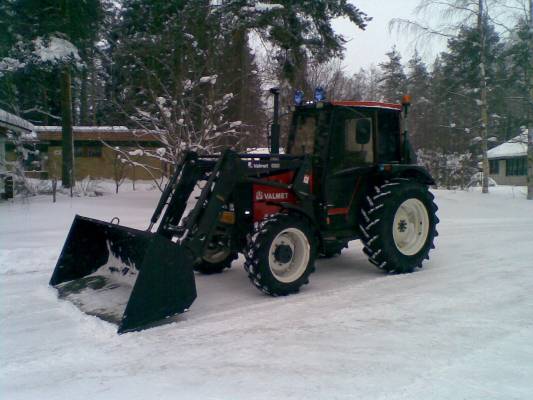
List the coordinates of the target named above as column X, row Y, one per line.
column 280, row 254
column 399, row 225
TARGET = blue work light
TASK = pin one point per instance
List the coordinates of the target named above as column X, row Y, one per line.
column 298, row 97
column 320, row 94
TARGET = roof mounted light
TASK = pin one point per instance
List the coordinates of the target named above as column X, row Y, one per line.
column 298, row 97
column 320, row 94
column 406, row 100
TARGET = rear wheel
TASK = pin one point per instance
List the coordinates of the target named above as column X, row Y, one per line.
column 333, row 249
column 280, row 254
column 214, row 262
column 399, row 225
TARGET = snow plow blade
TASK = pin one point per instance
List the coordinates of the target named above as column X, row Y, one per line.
column 123, row 275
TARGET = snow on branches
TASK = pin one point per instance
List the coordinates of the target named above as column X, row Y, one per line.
column 262, row 7
column 55, row 50
column 42, row 51
column 192, row 119
column 450, row 170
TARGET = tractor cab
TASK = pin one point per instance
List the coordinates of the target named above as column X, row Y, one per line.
column 348, row 141
column 347, row 133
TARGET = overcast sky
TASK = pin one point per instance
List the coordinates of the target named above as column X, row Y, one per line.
column 369, row 46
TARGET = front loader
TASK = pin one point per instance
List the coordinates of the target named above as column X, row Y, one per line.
column 347, row 173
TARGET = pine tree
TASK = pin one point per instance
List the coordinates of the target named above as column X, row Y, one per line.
column 186, row 73
column 47, row 35
column 393, row 83
column 418, row 86
column 299, row 32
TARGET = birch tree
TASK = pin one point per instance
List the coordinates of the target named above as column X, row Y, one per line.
column 530, row 131
column 455, row 14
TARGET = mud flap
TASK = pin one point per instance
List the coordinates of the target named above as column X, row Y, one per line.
column 153, row 276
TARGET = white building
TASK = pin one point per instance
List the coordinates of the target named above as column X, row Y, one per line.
column 508, row 161
column 10, row 122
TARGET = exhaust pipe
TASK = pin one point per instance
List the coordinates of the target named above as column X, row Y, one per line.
column 275, row 127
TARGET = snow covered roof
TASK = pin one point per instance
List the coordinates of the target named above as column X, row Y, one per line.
column 14, row 123
column 516, row 147
column 84, row 128
column 92, row 133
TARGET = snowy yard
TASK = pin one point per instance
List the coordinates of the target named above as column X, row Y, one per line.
column 461, row 328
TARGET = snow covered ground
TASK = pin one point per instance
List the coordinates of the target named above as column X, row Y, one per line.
column 461, row 328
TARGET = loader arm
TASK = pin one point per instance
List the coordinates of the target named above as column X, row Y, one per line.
column 153, row 270
column 180, row 187
column 174, row 188
column 203, row 220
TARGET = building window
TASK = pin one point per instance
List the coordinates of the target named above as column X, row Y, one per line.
column 94, row 151
column 88, row 151
column 516, row 166
column 494, row 167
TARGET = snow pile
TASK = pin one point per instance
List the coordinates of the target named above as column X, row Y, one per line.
column 516, row 147
column 105, row 292
column 477, row 181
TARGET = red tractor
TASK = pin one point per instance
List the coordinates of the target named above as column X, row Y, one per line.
column 347, row 173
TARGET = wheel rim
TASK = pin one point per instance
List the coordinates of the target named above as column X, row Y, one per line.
column 215, row 256
column 410, row 227
column 294, row 268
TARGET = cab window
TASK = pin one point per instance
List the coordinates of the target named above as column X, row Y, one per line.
column 389, row 136
column 304, row 140
column 358, row 140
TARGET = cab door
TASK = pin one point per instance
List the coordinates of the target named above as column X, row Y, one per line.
column 351, row 155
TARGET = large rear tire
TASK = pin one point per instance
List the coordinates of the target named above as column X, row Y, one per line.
column 398, row 225
column 280, row 254
column 330, row 250
column 215, row 265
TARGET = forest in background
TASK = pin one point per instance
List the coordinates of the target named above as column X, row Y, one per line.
column 197, row 72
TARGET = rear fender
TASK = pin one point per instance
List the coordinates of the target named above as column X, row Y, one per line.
column 413, row 172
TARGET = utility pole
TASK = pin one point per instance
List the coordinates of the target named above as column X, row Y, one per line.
column 67, row 165
column 67, row 140
column 530, row 125
column 483, row 87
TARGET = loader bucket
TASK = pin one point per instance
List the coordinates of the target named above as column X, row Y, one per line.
column 123, row 275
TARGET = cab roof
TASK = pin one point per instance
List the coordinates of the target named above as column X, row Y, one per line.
column 370, row 104
column 351, row 103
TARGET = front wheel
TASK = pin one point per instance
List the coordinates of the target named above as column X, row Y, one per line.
column 399, row 225
column 280, row 254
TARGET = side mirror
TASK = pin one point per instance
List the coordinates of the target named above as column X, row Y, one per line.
column 363, row 130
